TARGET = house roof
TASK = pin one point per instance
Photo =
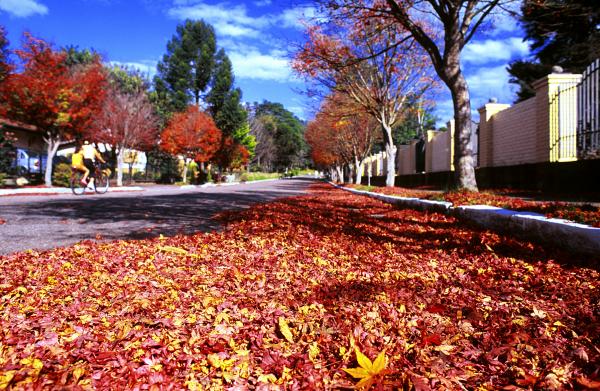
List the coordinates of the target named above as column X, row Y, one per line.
column 17, row 125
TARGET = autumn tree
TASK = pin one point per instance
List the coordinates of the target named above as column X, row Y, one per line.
column 442, row 29
column 263, row 129
column 191, row 134
column 127, row 121
column 322, row 140
column 353, row 130
column 377, row 64
column 60, row 100
column 560, row 32
column 186, row 69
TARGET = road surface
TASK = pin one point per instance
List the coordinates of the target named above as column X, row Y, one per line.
column 43, row 222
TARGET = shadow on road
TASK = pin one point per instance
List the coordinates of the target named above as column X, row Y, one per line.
column 133, row 216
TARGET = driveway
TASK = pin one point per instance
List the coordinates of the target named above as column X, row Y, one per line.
column 43, row 222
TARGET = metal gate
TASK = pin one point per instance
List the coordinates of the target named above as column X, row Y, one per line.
column 588, row 113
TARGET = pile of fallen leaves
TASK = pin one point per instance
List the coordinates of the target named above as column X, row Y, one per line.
column 577, row 212
column 325, row 291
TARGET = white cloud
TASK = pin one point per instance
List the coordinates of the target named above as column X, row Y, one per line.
column 262, row 3
column 227, row 20
column 293, row 17
column 146, row 67
column 256, row 65
column 484, row 83
column 481, row 52
column 23, row 8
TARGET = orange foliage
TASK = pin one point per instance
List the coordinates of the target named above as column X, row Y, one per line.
column 193, row 134
column 59, row 99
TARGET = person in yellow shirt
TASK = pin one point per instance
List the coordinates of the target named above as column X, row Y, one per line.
column 90, row 154
column 77, row 163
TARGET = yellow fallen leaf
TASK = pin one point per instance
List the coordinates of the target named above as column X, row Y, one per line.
column 285, row 330
column 313, row 351
column 269, row 378
column 77, row 373
column 367, row 371
column 6, row 378
column 446, row 349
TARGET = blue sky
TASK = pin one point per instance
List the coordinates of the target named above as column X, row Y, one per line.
column 256, row 34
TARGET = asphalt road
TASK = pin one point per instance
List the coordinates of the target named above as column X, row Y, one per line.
column 43, row 222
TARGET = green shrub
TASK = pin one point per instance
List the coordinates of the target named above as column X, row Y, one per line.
column 61, row 175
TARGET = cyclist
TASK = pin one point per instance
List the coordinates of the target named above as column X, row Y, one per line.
column 90, row 154
column 77, row 163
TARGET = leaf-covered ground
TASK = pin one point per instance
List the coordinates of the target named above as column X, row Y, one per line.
column 288, row 293
column 584, row 213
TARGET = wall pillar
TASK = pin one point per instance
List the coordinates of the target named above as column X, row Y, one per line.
column 486, row 132
column 556, row 101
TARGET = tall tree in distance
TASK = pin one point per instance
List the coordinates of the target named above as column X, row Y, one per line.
column 5, row 64
column 263, row 129
column 224, row 103
column 61, row 101
column 185, row 70
column 192, row 134
column 560, row 32
column 288, row 132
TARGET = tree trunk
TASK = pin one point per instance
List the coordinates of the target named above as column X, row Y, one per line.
column 52, row 144
column 130, row 173
column 340, row 174
column 348, row 173
column 185, row 168
column 390, row 151
column 464, row 168
column 358, row 170
column 120, row 160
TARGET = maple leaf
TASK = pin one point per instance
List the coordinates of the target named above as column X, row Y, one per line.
column 367, row 371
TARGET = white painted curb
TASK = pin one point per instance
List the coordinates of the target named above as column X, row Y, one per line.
column 571, row 236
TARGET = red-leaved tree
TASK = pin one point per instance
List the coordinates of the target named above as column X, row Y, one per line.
column 192, row 134
column 231, row 154
column 378, row 65
column 59, row 100
column 127, row 122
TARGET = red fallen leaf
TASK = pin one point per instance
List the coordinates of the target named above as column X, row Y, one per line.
column 2, row 221
column 432, row 339
column 527, row 380
column 591, row 384
column 436, row 309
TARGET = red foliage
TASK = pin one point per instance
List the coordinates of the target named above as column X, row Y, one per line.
column 127, row 121
column 231, row 154
column 193, row 134
column 48, row 94
column 288, row 292
column 341, row 132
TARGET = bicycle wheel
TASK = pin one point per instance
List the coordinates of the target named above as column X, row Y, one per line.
column 101, row 183
column 76, row 187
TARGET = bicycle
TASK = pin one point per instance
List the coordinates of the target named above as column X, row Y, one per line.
column 101, row 180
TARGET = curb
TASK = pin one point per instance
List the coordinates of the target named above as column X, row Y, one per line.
column 574, row 237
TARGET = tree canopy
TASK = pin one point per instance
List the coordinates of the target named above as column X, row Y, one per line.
column 58, row 99
column 288, row 134
column 560, row 32
column 185, row 71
